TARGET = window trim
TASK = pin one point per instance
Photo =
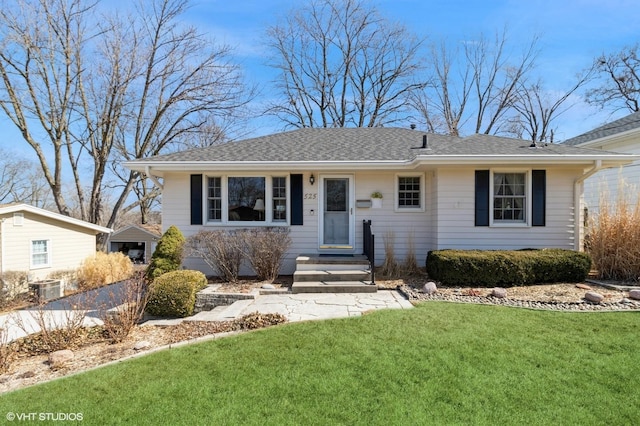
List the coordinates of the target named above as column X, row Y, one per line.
column 396, row 193
column 32, row 253
column 528, row 202
column 268, row 200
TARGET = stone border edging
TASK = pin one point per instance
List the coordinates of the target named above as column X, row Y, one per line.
column 416, row 296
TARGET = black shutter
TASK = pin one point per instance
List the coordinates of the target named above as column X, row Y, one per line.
column 196, row 199
column 296, row 199
column 482, row 198
column 538, row 197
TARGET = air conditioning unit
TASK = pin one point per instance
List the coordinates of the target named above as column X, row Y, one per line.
column 47, row 289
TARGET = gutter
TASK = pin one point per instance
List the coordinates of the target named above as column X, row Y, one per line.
column 577, row 193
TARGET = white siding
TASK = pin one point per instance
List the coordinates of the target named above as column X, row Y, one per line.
column 456, row 227
column 447, row 220
column 68, row 244
column 616, row 182
column 405, row 225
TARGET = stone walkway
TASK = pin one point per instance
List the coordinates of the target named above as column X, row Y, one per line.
column 303, row 306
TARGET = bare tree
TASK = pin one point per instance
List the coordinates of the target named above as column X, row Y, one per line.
column 474, row 85
column 538, row 108
column 94, row 89
column 619, row 80
column 21, row 181
column 342, row 64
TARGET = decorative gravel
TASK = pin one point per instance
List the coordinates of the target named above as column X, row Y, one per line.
column 584, row 306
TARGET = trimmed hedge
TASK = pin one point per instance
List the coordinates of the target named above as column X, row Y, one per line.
column 174, row 294
column 507, row 268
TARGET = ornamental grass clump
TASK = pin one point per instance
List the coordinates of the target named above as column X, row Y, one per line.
column 104, row 268
column 613, row 239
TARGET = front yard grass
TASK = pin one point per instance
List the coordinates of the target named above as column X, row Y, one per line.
column 441, row 363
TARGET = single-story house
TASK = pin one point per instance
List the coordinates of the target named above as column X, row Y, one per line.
column 39, row 242
column 438, row 192
column 622, row 135
column 136, row 241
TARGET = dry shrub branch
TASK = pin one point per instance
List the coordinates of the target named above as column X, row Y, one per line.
column 124, row 307
column 265, row 249
column 221, row 250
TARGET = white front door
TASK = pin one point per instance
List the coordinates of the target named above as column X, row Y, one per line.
column 336, row 221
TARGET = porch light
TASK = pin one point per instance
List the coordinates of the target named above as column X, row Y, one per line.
column 312, row 179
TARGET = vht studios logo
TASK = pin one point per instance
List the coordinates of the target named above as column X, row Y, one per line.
column 55, row 417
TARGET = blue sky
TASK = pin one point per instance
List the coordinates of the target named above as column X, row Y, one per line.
column 572, row 33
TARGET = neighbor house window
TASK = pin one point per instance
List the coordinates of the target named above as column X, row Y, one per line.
column 279, row 186
column 409, row 192
column 40, row 253
column 246, row 198
column 214, row 199
column 509, row 197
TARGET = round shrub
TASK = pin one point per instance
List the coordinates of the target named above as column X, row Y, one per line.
column 167, row 256
column 174, row 294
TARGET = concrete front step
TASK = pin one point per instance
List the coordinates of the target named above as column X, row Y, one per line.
column 328, row 262
column 333, row 275
column 334, row 287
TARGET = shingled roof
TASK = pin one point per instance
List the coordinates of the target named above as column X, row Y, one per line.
column 622, row 125
column 360, row 145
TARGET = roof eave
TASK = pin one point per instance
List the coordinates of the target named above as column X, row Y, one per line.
column 160, row 167
column 57, row 216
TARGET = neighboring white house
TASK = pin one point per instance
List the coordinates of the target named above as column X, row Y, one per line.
column 621, row 135
column 439, row 192
column 40, row 242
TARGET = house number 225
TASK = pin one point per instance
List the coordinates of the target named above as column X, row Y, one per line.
column 310, row 196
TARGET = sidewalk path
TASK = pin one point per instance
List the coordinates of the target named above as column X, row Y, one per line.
column 315, row 306
column 295, row 307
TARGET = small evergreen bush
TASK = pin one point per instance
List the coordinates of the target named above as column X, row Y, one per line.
column 168, row 254
column 174, row 294
column 104, row 268
column 507, row 268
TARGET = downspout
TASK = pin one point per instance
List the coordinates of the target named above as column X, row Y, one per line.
column 577, row 192
column 147, row 171
column 2, row 247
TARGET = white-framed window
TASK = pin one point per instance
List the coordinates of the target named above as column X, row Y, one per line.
column 410, row 192
column 510, row 195
column 214, row 199
column 279, row 187
column 247, row 199
column 40, row 254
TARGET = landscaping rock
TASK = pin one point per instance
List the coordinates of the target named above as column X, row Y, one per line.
column 60, row 357
column 268, row 286
column 430, row 288
column 634, row 294
column 594, row 297
column 583, row 286
column 499, row 292
column 143, row 344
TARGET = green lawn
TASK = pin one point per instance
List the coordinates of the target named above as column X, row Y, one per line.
column 440, row 363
